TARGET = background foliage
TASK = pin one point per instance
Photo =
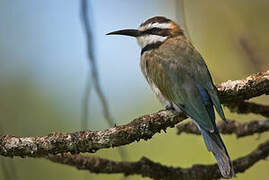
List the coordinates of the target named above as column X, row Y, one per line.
column 43, row 66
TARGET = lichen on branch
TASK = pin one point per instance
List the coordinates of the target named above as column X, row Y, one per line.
column 244, row 89
column 232, row 94
column 143, row 127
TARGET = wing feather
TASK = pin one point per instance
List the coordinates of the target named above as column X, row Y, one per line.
column 179, row 77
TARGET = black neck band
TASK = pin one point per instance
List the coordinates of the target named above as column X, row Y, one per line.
column 151, row 46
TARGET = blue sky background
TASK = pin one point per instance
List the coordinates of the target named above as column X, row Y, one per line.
column 45, row 42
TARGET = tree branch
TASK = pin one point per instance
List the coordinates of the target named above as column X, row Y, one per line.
column 249, row 107
column 143, row 127
column 232, row 127
column 251, row 54
column 244, row 89
column 148, row 168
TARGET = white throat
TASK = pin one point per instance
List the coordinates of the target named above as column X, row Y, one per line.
column 143, row 41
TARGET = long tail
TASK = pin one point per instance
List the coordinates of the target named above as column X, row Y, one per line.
column 215, row 145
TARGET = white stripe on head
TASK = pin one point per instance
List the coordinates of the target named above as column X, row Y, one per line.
column 145, row 40
column 155, row 25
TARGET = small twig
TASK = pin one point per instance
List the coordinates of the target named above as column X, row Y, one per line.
column 252, row 55
column 147, row 168
column 249, row 107
column 181, row 10
column 94, row 73
column 232, row 127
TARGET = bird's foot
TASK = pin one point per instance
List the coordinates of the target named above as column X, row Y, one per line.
column 171, row 108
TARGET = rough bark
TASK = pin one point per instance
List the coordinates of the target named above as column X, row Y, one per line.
column 232, row 94
column 232, row 127
column 143, row 127
column 244, row 89
column 249, row 107
column 148, row 168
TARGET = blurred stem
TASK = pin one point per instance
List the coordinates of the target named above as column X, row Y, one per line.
column 181, row 7
column 93, row 74
column 243, row 38
column 256, row 61
column 92, row 61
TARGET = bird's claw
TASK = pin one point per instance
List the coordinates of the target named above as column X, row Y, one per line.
column 169, row 107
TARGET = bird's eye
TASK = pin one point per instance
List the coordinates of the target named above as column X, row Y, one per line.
column 158, row 31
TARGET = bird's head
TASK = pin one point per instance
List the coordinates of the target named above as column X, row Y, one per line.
column 153, row 32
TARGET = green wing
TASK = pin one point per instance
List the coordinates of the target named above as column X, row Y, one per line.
column 178, row 76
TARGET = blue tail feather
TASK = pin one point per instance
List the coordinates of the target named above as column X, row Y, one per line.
column 215, row 145
column 213, row 140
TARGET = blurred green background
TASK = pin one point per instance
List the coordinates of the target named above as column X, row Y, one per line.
column 43, row 69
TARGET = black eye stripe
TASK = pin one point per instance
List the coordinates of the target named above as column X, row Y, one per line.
column 157, row 31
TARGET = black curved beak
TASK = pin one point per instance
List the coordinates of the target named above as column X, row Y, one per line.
column 126, row 32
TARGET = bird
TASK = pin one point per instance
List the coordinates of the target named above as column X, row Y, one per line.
column 179, row 77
